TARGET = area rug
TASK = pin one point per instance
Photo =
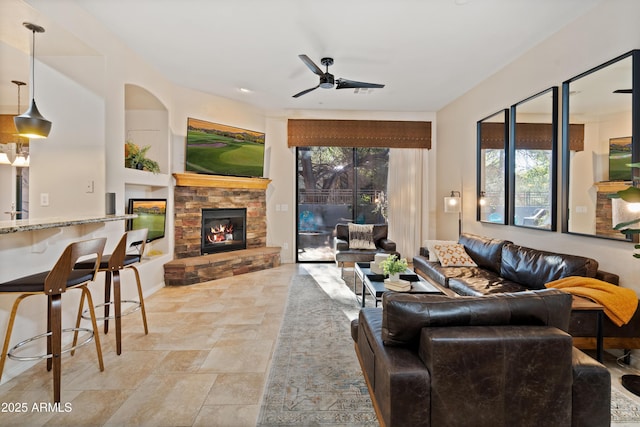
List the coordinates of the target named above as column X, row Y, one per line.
column 623, row 409
column 315, row 377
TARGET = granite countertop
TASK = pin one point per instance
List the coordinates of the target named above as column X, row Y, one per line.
column 17, row 225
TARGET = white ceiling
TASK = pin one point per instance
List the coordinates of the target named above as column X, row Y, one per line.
column 426, row 52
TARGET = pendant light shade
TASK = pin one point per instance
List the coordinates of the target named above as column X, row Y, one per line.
column 32, row 124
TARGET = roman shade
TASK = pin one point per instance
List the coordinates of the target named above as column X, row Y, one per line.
column 358, row 133
column 529, row 136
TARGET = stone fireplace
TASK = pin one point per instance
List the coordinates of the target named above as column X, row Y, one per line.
column 195, row 197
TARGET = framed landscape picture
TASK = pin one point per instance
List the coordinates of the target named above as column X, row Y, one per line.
column 218, row 149
column 619, row 157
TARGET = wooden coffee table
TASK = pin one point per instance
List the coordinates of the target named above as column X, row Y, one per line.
column 373, row 283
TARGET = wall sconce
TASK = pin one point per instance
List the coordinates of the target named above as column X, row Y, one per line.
column 453, row 204
column 32, row 124
column 623, row 211
column 483, row 198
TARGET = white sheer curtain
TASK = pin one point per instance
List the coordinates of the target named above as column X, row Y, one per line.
column 406, row 186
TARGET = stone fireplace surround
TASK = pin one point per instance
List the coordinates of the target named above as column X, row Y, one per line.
column 194, row 192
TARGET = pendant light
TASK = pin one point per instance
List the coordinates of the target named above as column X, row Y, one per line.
column 32, row 124
column 20, row 161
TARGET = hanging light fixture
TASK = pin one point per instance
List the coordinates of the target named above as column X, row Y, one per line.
column 20, row 161
column 4, row 159
column 32, row 124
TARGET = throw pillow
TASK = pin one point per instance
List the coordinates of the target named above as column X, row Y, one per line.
column 429, row 244
column 361, row 236
column 453, row 255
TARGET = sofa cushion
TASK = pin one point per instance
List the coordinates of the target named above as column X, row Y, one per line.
column 485, row 251
column 484, row 282
column 361, row 236
column 533, row 268
column 439, row 274
column 404, row 315
column 453, row 255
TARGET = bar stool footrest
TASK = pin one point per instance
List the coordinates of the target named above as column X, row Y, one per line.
column 136, row 306
column 16, row 347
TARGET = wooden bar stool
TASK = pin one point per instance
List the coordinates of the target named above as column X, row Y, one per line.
column 53, row 284
column 121, row 258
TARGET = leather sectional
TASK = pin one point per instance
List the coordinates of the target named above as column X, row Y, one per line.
column 503, row 266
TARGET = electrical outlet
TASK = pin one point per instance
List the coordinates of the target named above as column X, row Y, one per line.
column 89, row 186
column 285, row 245
column 44, row 199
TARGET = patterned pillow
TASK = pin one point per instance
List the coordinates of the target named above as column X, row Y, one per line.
column 361, row 236
column 429, row 244
column 453, row 255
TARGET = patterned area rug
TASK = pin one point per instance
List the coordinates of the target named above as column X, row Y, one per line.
column 315, row 377
column 623, row 409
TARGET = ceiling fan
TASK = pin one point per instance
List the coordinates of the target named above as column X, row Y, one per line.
column 327, row 80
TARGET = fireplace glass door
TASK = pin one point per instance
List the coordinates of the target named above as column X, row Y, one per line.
column 223, row 230
column 337, row 185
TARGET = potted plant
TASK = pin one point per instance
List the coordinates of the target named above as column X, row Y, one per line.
column 394, row 266
column 136, row 158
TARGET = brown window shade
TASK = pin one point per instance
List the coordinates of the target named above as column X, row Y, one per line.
column 537, row 136
column 359, row 133
column 532, row 136
column 492, row 136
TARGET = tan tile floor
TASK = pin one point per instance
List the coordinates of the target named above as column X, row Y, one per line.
column 204, row 362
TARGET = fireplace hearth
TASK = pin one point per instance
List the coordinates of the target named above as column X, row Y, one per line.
column 223, row 230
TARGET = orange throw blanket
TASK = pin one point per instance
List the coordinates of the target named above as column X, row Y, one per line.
column 619, row 303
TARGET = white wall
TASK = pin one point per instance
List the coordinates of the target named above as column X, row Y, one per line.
column 608, row 30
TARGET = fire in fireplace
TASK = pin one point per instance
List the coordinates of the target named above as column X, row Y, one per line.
column 223, row 230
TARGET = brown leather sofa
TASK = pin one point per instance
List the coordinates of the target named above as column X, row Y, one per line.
column 498, row 360
column 343, row 253
column 506, row 267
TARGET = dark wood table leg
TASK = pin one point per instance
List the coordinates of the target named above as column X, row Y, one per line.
column 599, row 337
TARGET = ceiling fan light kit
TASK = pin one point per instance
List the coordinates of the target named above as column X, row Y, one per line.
column 327, row 80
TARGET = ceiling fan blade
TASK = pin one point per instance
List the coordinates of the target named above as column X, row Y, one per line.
column 623, row 91
column 351, row 84
column 305, row 91
column 312, row 65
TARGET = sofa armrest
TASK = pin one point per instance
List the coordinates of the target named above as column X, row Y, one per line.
column 341, row 245
column 608, row 277
column 387, row 245
column 591, row 392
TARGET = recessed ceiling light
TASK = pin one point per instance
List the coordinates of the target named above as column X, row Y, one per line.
column 245, row 90
column 461, row 2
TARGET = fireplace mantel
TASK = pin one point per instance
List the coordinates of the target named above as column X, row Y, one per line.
column 219, row 181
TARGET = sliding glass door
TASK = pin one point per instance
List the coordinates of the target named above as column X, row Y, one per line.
column 337, row 185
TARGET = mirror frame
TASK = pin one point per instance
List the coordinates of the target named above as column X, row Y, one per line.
column 554, row 159
column 635, row 134
column 479, row 168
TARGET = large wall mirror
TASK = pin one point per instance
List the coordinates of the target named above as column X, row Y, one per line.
column 533, row 161
column 597, row 145
column 493, row 136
